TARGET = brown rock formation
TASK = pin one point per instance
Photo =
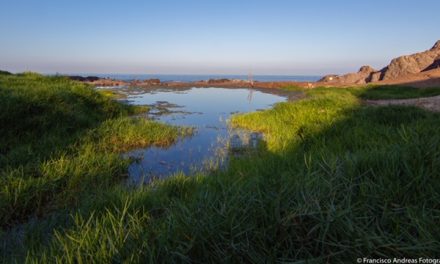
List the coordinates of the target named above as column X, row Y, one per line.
column 423, row 79
column 409, row 64
column 434, row 65
column 328, row 78
column 376, row 76
column 363, row 76
column 398, row 68
column 215, row 81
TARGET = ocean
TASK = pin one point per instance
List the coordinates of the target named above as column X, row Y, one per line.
column 193, row 78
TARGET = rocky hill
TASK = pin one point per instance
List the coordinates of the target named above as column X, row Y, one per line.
column 398, row 68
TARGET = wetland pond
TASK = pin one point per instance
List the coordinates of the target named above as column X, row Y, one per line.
column 207, row 110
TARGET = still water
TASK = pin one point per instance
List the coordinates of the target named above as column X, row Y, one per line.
column 205, row 109
column 195, row 78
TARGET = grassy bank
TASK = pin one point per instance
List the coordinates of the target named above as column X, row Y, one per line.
column 61, row 143
column 335, row 181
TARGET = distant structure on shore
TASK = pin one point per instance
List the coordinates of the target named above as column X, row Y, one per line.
column 251, row 78
column 251, row 82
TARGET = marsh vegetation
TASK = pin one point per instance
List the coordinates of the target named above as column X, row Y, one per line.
column 334, row 180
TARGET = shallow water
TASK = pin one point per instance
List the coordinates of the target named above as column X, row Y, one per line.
column 195, row 78
column 207, row 110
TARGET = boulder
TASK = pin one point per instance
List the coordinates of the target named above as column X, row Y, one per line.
column 375, row 76
column 366, row 70
column 410, row 64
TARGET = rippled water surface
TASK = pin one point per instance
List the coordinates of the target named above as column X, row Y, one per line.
column 205, row 109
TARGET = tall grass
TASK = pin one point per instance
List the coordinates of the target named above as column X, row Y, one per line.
column 335, row 181
column 61, row 140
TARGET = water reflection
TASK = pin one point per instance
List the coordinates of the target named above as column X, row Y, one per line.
column 207, row 110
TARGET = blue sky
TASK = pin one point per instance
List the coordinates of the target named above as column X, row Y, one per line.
column 207, row 37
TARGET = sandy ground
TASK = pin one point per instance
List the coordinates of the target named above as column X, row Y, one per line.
column 428, row 103
column 420, row 80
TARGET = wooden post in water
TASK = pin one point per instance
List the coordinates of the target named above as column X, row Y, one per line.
column 251, row 82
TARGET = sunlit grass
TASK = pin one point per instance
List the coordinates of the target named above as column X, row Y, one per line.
column 62, row 140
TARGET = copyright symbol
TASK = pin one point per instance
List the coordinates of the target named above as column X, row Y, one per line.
column 359, row 260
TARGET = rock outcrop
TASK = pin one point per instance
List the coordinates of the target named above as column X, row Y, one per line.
column 328, row 78
column 363, row 76
column 434, row 65
column 398, row 68
column 409, row 64
column 214, row 81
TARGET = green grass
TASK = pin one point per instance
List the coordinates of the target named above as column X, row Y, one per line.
column 335, row 181
column 61, row 140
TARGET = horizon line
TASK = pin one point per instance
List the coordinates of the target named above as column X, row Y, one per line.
column 184, row 74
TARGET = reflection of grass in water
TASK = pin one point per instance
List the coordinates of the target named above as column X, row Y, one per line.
column 336, row 180
column 241, row 141
column 215, row 157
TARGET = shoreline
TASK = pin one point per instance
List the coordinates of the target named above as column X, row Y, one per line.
column 226, row 83
column 424, row 79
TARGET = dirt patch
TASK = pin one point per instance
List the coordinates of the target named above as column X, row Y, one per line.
column 428, row 103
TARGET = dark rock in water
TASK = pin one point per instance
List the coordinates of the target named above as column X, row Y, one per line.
column 213, row 81
column 5, row 73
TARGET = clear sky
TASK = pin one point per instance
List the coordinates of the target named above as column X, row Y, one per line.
column 212, row 36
